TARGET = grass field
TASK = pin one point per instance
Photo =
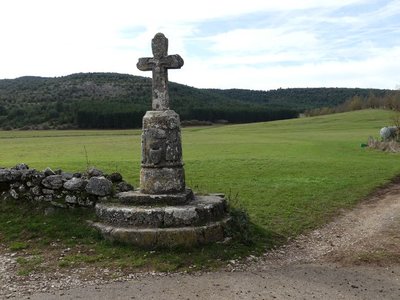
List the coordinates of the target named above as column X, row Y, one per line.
column 291, row 175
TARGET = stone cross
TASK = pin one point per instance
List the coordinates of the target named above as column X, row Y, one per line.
column 160, row 64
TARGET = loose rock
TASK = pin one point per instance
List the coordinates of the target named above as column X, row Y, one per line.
column 5, row 175
column 48, row 172
column 71, row 199
column 66, row 176
column 124, row 187
column 21, row 166
column 53, row 182
column 93, row 172
column 75, row 184
column 115, row 177
column 99, row 186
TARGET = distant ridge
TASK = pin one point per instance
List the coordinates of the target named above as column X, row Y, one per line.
column 113, row 100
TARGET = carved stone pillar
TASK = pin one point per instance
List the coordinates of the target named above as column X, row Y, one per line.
column 162, row 167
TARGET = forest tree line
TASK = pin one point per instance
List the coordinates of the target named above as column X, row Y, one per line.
column 131, row 117
column 111, row 100
column 389, row 100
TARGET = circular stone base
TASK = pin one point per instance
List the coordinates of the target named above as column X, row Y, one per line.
column 165, row 237
column 202, row 210
column 199, row 221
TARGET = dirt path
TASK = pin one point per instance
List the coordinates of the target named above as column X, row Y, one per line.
column 355, row 257
column 370, row 233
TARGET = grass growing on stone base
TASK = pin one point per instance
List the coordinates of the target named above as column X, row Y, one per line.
column 290, row 176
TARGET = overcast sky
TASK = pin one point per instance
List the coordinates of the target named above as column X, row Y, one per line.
column 252, row 44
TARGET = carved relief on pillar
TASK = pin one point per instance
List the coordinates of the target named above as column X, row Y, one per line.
column 161, row 140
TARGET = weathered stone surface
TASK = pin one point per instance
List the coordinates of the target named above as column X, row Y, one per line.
column 48, row 198
column 66, row 176
column 39, row 198
column 54, row 182
column 71, row 199
column 47, row 192
column 76, row 200
column 103, row 199
column 115, row 177
column 59, row 195
column 162, row 180
column 140, row 237
column 22, row 189
column 37, row 178
column 21, row 166
column 93, row 172
column 160, row 64
column 165, row 237
column 180, row 216
column 15, row 185
column 214, row 233
column 162, row 168
column 202, row 210
column 75, row 184
column 15, row 175
column 27, row 174
column 37, row 191
column 5, row 175
column 161, row 140
column 389, row 133
column 14, row 194
column 123, row 187
column 85, row 202
column 48, row 172
column 139, row 198
column 99, row 186
column 182, row 237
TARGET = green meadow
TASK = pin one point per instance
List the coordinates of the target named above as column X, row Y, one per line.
column 290, row 176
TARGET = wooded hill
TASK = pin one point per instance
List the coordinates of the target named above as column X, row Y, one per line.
column 111, row 100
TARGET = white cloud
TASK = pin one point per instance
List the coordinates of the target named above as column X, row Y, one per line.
column 258, row 40
column 378, row 71
column 305, row 46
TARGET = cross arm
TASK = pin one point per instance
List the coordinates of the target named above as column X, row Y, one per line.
column 173, row 61
column 145, row 64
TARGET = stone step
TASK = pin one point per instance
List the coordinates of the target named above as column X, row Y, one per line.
column 200, row 211
column 139, row 198
column 189, row 236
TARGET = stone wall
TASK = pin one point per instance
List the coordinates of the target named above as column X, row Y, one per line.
column 58, row 188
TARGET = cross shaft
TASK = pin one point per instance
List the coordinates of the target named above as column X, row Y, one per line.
column 159, row 65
